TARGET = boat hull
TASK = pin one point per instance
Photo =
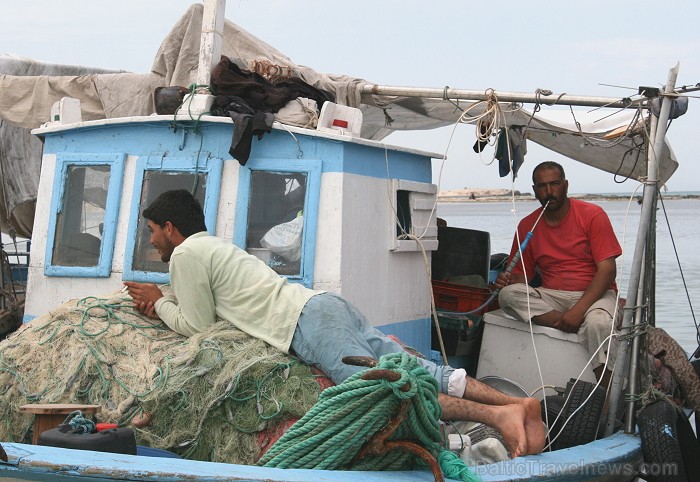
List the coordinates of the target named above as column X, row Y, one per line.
column 615, row 458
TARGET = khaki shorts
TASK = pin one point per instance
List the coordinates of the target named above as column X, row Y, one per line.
column 523, row 302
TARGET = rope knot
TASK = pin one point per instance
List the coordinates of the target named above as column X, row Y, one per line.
column 79, row 423
column 408, row 371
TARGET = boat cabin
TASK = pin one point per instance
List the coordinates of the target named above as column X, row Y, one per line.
column 325, row 209
column 355, row 217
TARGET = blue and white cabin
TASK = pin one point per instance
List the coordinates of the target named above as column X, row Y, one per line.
column 368, row 211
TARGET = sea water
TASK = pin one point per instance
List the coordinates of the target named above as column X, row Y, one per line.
column 673, row 311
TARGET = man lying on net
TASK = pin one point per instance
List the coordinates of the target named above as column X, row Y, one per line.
column 211, row 277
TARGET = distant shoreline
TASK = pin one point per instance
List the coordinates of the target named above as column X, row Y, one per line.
column 504, row 195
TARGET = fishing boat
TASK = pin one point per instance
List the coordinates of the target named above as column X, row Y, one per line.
column 367, row 232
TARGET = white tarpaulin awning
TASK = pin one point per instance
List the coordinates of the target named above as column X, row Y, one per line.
column 28, row 89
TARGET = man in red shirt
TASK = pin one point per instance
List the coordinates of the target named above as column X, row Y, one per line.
column 573, row 249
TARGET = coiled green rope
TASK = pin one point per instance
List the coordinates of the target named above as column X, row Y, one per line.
column 346, row 416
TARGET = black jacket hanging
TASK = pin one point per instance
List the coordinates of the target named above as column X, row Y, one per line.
column 245, row 126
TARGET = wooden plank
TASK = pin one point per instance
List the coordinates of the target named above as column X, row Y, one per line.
column 58, row 408
column 50, row 415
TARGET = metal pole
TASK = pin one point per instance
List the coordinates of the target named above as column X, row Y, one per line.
column 641, row 315
column 636, row 269
column 651, row 263
column 551, row 99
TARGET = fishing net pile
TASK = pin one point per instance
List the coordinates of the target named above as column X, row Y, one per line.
column 220, row 395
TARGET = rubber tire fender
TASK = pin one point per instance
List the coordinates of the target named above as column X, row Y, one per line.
column 583, row 426
column 671, row 451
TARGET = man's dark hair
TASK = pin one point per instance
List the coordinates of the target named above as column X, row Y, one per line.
column 180, row 208
column 548, row 165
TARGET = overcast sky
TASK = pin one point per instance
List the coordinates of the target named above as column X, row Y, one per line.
column 514, row 46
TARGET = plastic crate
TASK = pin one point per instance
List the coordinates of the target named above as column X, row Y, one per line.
column 462, row 299
column 461, row 335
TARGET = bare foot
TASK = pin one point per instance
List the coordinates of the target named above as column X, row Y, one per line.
column 521, row 426
column 534, row 428
column 511, row 423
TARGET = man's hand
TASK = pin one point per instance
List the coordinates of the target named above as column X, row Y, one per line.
column 570, row 321
column 145, row 296
column 505, row 279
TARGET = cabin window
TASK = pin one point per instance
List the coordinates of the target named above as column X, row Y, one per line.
column 414, row 227
column 403, row 214
column 146, row 257
column 85, row 204
column 155, row 175
column 278, row 208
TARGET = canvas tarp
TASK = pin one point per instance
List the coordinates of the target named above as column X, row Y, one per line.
column 28, row 89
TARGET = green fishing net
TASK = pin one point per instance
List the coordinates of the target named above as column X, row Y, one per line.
column 220, row 395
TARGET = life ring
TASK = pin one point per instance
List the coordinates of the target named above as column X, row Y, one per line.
column 671, row 451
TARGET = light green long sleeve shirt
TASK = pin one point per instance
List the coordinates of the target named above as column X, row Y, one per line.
column 213, row 278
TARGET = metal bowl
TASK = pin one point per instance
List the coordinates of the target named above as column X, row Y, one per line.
column 509, row 387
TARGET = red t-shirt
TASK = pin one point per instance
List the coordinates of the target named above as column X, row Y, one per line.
column 567, row 255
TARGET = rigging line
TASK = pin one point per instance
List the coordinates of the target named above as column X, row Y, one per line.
column 488, row 123
column 546, row 92
column 594, row 141
column 623, row 99
column 521, row 247
column 460, row 120
column 638, row 147
column 473, row 106
column 618, row 86
column 583, row 404
column 601, row 141
column 537, row 107
column 454, row 128
column 300, row 153
column 607, row 116
column 608, row 339
column 605, row 144
column 195, row 176
column 687, row 88
column 445, row 97
column 680, row 269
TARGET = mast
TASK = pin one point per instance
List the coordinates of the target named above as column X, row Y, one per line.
column 201, row 100
column 632, row 309
column 211, row 40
